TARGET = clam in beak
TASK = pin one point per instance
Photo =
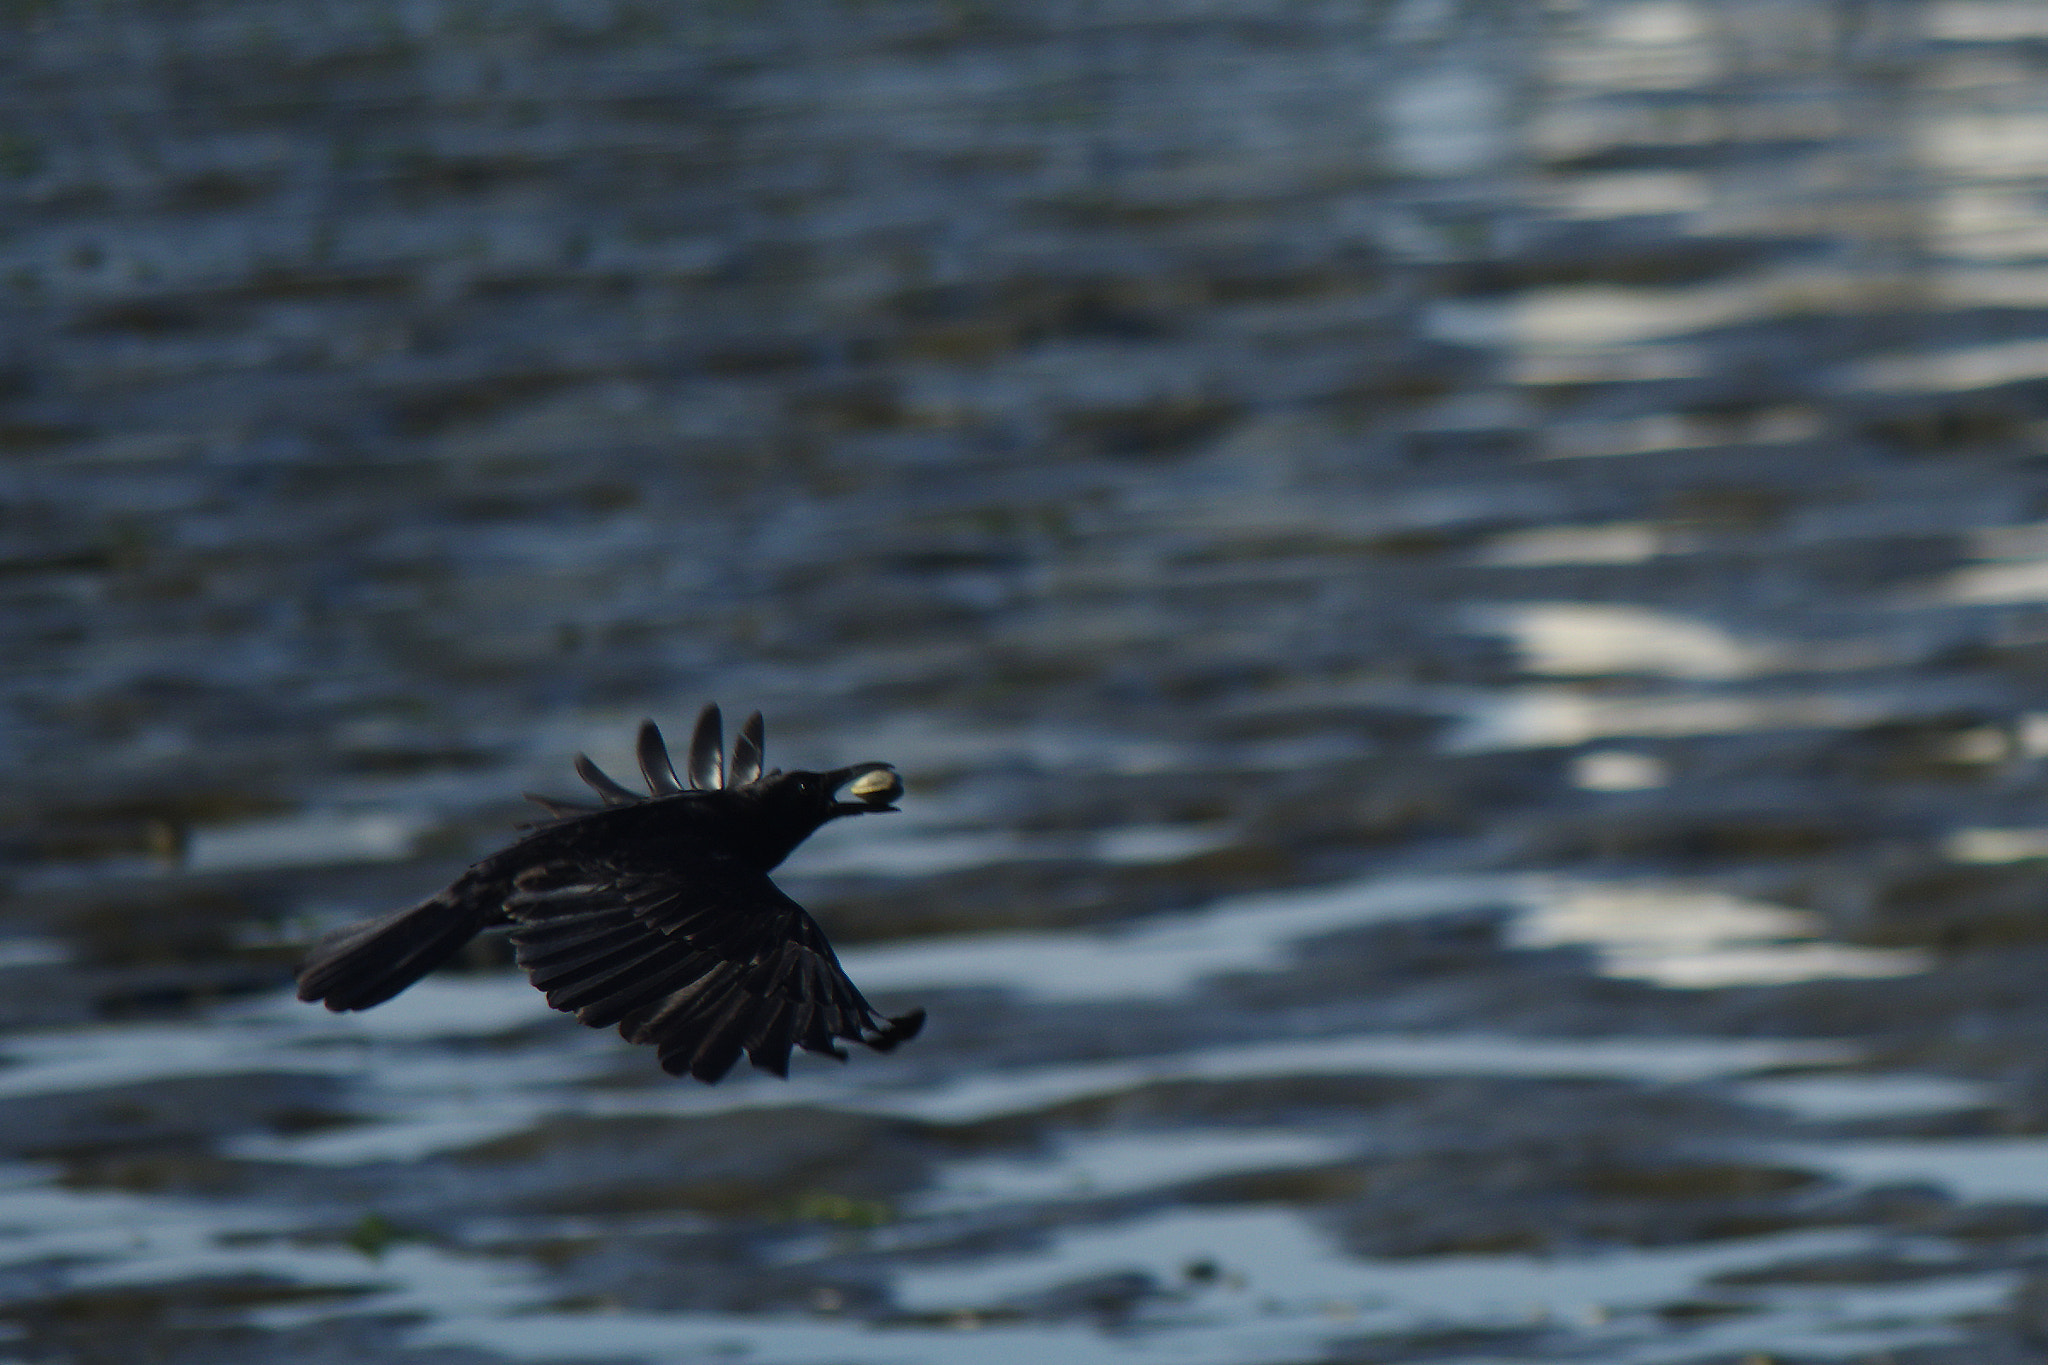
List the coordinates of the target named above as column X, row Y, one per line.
column 872, row 786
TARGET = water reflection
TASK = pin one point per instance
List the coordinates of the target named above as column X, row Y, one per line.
column 1690, row 937
column 1988, row 1169
column 1101, row 1167
column 1293, row 1287
column 1834, row 1098
column 1617, row 543
column 1997, row 845
column 1619, row 770
column 1679, row 431
column 1171, row 955
column 311, row 840
column 1540, row 717
column 2015, row 568
column 1973, row 367
column 1573, row 639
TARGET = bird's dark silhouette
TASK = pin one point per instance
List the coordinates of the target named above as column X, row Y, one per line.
column 654, row 913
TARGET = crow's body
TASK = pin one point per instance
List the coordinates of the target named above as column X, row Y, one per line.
column 653, row 913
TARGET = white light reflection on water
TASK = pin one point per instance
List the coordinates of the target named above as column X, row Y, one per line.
column 419, row 1100
column 277, row 1036
column 790, row 1340
column 2011, row 567
column 1286, row 1287
column 313, row 839
column 1842, row 1321
column 1997, row 1169
column 1295, row 1268
column 1659, row 1061
column 42, row 1222
column 915, row 853
column 1668, row 431
column 1287, row 1277
column 33, row 952
column 1985, row 21
column 1626, row 542
column 1692, row 937
column 1996, row 845
column 1763, row 965
column 1103, row 1165
column 1286, row 1290
column 1628, row 194
column 1168, row 956
column 1301, row 1292
column 1578, row 639
column 1557, row 717
column 108, row 1239
column 415, row 1098
column 1848, row 1097
column 96, row 1059
column 417, row 1106
column 1973, row 367
column 1592, row 316
column 1448, row 121
column 1619, row 770
column 1669, row 934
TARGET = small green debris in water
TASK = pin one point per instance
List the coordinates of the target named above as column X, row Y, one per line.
column 818, row 1206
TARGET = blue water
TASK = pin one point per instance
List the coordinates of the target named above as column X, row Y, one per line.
column 1460, row 592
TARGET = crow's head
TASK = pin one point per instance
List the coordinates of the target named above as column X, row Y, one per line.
column 863, row 789
column 785, row 808
column 793, row 805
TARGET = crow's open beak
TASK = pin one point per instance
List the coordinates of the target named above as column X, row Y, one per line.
column 871, row 787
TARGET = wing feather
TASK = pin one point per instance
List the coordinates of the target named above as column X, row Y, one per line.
column 633, row 992
column 773, row 1034
column 706, row 970
column 599, row 781
column 708, row 1053
column 564, row 975
column 747, row 752
column 707, row 750
column 626, row 978
column 654, row 764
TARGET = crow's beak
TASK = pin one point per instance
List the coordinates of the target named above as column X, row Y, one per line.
column 871, row 787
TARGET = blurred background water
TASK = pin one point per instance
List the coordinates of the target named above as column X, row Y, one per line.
column 1461, row 589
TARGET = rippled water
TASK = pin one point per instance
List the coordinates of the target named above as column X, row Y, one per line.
column 1461, row 591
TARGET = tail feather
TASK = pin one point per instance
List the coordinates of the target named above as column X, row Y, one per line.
column 366, row 964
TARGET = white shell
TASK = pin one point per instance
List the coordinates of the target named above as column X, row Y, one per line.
column 876, row 787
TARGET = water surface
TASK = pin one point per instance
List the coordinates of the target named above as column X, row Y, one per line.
column 1460, row 590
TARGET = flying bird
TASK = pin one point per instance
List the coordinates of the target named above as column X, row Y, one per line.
column 654, row 913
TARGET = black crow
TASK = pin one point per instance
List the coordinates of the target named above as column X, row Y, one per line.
column 653, row 912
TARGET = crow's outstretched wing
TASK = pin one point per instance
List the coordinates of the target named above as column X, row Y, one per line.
column 704, row 967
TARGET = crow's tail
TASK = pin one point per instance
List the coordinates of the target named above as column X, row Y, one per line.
column 366, row 964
